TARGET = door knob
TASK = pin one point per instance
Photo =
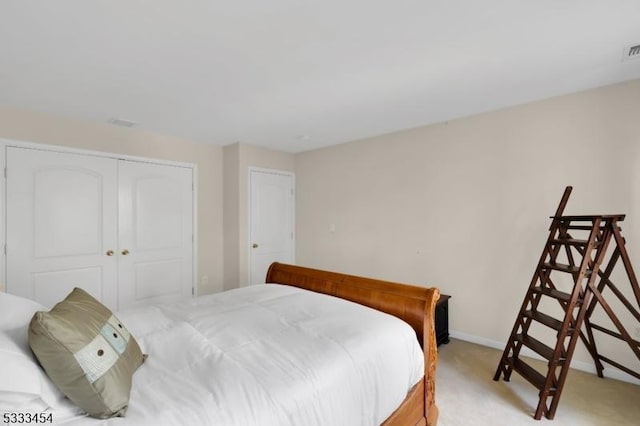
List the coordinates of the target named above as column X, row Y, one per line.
column 109, row 253
column 254, row 245
column 125, row 252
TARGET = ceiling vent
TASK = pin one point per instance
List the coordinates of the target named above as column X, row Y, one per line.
column 631, row 52
column 121, row 122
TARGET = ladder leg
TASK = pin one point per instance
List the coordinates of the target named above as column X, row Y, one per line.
column 594, row 266
column 590, row 342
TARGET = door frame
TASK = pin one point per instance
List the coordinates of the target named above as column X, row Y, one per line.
column 5, row 143
column 249, row 210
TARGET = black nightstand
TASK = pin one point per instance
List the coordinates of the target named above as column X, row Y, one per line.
column 442, row 319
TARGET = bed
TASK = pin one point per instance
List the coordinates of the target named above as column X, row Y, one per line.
column 279, row 354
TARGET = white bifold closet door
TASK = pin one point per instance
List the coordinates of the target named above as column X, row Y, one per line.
column 122, row 230
column 155, row 232
column 60, row 224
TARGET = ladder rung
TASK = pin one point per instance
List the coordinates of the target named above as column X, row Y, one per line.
column 564, row 268
column 584, row 227
column 540, row 348
column 571, row 242
column 547, row 320
column 619, row 366
column 528, row 372
column 556, row 294
column 612, row 333
column 589, row 218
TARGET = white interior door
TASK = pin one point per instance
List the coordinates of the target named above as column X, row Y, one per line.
column 155, row 232
column 61, row 225
column 271, row 221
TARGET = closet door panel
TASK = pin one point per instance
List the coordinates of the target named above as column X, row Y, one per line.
column 59, row 228
column 61, row 221
column 156, row 233
column 50, row 287
column 158, row 279
column 154, row 212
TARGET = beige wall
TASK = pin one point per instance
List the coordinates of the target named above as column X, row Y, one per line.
column 465, row 205
column 33, row 127
column 238, row 158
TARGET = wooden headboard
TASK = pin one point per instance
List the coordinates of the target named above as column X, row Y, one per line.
column 415, row 305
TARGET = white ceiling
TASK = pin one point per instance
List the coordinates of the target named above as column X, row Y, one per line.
column 296, row 75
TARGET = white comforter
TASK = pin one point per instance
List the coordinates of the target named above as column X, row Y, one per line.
column 268, row 355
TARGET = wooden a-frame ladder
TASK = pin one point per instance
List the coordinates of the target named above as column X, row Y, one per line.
column 581, row 257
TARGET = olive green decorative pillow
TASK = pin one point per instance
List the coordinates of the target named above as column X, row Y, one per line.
column 87, row 353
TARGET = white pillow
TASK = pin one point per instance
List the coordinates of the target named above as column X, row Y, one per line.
column 24, row 386
column 20, row 382
column 16, row 312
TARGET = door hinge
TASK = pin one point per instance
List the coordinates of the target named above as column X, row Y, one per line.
column 5, row 249
column 5, row 172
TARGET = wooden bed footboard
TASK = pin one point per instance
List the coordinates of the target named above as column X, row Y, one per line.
column 415, row 305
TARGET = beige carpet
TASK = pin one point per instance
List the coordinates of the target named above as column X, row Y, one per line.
column 467, row 395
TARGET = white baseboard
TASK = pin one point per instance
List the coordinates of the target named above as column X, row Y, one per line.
column 611, row 372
